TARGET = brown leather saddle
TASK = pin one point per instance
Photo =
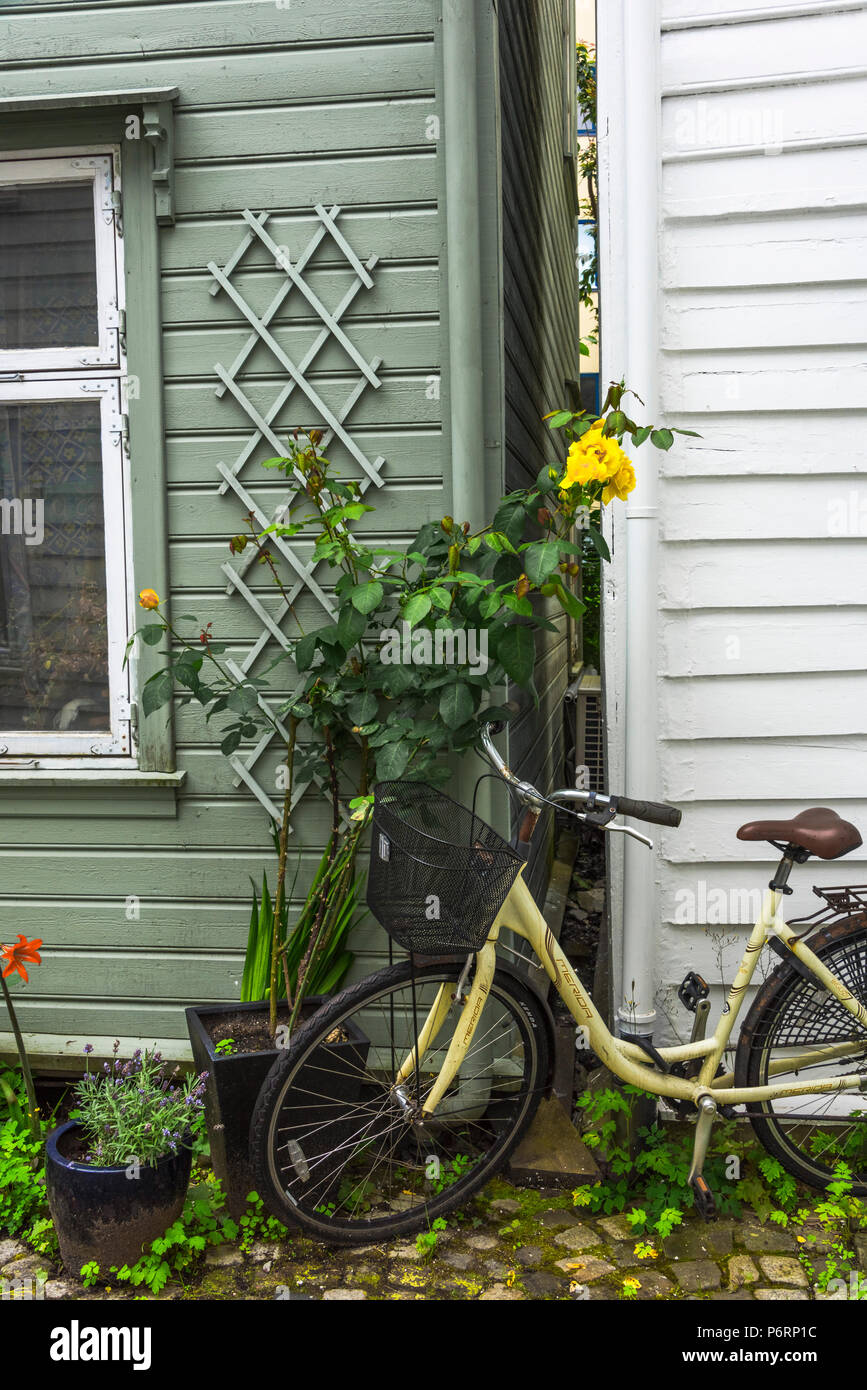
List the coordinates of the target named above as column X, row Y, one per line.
column 819, row 831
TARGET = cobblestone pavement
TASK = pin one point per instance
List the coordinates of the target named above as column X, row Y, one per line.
column 509, row 1244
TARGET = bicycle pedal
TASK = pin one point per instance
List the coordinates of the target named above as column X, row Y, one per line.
column 705, row 1202
column 692, row 988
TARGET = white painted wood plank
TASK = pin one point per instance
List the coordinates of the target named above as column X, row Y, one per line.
column 746, row 445
column 743, row 11
column 737, row 184
column 811, row 44
column 707, row 839
column 804, row 706
column 708, row 509
column 821, row 246
column 776, row 574
column 831, row 378
column 821, row 771
column 763, row 116
column 754, row 641
column 783, row 317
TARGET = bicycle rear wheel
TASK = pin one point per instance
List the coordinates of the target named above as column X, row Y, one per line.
column 337, row 1147
column 812, row 1134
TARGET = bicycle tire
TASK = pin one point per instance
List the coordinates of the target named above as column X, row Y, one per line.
column 791, row 1011
column 284, row 1112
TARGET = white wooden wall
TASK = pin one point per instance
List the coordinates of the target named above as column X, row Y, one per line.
column 762, row 691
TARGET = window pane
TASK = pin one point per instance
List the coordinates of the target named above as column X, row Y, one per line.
column 48, row 292
column 54, row 657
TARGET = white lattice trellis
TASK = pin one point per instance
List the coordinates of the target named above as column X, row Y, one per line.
column 331, row 421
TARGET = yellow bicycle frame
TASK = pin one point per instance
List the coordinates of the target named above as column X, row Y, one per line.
column 520, row 914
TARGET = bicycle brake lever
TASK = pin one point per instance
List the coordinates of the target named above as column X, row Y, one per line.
column 628, row 830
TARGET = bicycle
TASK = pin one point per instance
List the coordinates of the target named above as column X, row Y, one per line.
column 407, row 1092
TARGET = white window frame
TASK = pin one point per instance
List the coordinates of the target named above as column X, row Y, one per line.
column 97, row 170
column 65, row 374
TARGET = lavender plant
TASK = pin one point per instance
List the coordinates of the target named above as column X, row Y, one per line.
column 133, row 1110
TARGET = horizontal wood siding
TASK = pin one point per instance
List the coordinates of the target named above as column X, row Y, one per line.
column 762, row 686
column 280, row 108
column 540, row 325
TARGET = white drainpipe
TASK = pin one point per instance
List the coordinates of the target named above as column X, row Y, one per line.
column 632, row 292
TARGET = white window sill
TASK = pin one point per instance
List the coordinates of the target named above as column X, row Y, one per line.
column 114, row 793
column 83, row 777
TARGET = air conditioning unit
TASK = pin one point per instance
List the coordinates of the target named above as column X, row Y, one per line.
column 586, row 694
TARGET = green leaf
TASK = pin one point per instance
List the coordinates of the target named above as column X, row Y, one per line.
column 363, row 708
column 417, row 608
column 366, row 597
column 398, row 680
column 230, row 742
column 573, row 606
column 693, row 434
column 540, row 560
column 523, row 606
column 391, row 761
column 243, row 699
column 597, row 540
column 498, row 541
column 456, row 705
column 516, row 653
column 507, row 569
column 662, row 439
column 616, row 423
column 305, row 650
column 351, row 626
column 187, row 673
column 441, row 597
column 151, row 635
column 509, row 518
column 639, row 436
column 559, row 419
column 157, row 692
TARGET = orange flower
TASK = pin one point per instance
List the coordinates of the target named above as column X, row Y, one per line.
column 16, row 955
column 149, row 599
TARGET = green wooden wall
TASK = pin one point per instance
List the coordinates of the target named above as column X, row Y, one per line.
column 280, row 107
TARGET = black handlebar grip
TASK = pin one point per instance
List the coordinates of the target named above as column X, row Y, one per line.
column 651, row 811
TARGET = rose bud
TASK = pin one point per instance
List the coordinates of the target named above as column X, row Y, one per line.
column 447, row 524
column 522, row 588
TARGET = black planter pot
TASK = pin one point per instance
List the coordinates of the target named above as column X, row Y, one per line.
column 105, row 1214
column 233, row 1087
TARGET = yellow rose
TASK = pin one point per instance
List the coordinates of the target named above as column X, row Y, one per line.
column 149, row 599
column 621, row 484
column 582, row 468
column 593, row 459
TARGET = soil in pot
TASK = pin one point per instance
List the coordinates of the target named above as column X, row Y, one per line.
column 109, row 1215
column 235, row 1080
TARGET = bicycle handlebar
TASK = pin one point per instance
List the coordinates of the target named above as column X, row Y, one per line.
column 656, row 813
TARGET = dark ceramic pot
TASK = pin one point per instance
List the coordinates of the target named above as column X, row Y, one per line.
column 108, row 1214
column 234, row 1083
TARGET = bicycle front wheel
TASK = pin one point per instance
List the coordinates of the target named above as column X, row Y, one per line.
column 791, row 1020
column 338, row 1141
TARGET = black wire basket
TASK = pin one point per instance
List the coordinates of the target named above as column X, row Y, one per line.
column 438, row 875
